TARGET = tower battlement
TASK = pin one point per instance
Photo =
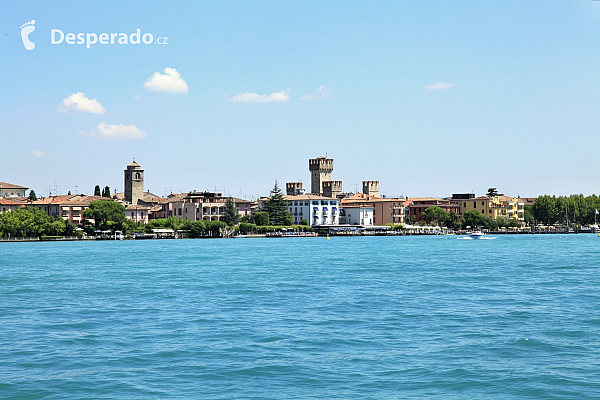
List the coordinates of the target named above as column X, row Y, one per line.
column 371, row 188
column 320, row 163
column 293, row 188
column 320, row 170
column 332, row 188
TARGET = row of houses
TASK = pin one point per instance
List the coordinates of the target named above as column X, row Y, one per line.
column 326, row 205
column 356, row 209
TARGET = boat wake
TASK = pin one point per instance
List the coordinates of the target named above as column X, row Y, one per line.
column 480, row 238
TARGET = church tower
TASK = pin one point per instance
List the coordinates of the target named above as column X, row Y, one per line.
column 320, row 169
column 134, row 183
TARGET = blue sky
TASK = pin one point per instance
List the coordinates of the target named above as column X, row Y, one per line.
column 430, row 98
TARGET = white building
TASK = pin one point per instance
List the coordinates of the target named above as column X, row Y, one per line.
column 137, row 213
column 356, row 215
column 8, row 190
column 317, row 210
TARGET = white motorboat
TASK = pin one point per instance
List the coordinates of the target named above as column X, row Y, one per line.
column 476, row 234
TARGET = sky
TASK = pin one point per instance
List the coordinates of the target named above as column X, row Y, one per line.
column 429, row 98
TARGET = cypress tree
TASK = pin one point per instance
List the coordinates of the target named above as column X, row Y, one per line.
column 230, row 212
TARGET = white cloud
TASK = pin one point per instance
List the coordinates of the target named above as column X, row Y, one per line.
column 138, row 97
column 114, row 131
column 171, row 81
column 78, row 102
column 439, row 86
column 38, row 153
column 322, row 93
column 247, row 97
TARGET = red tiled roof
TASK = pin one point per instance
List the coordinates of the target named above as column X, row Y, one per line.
column 4, row 185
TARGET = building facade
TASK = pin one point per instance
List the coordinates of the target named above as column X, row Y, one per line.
column 495, row 207
column 420, row 204
column 385, row 210
column 207, row 206
column 357, row 215
column 316, row 210
column 10, row 191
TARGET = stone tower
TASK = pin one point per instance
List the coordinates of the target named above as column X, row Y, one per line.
column 320, row 169
column 332, row 188
column 134, row 183
column 293, row 188
column 371, row 188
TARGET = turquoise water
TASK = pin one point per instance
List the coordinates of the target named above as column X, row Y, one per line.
column 517, row 317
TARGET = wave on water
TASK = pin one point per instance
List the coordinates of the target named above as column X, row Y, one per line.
column 481, row 238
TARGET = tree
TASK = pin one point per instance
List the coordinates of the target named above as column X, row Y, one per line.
column 197, row 228
column 97, row 190
column 32, row 195
column 492, row 192
column 261, row 218
column 452, row 220
column 245, row 228
column 247, row 219
column 474, row 219
column 215, row 227
column 24, row 222
column 106, row 214
column 528, row 215
column 277, row 207
column 230, row 212
column 544, row 209
column 106, row 192
column 303, row 221
column 434, row 213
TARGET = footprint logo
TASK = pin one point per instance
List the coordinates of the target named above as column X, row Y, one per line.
column 26, row 29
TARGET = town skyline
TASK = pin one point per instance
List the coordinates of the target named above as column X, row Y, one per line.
column 429, row 99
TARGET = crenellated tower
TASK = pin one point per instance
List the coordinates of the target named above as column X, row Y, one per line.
column 320, row 169
column 332, row 188
column 371, row 188
column 293, row 188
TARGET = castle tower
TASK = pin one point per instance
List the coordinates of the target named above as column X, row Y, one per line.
column 320, row 169
column 293, row 188
column 371, row 188
column 332, row 188
column 134, row 183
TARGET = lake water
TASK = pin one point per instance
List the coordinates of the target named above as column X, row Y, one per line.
column 516, row 317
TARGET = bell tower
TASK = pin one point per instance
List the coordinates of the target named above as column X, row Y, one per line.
column 134, row 183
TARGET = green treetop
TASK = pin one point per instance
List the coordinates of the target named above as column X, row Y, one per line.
column 230, row 213
column 107, row 214
column 277, row 207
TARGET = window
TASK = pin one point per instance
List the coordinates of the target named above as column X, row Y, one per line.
column 465, row 204
column 482, row 203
